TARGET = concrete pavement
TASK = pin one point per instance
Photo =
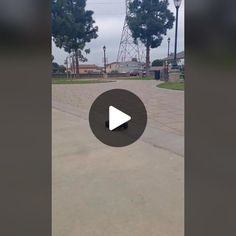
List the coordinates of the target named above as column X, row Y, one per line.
column 104, row 191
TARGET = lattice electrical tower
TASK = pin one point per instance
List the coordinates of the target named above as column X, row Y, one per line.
column 128, row 50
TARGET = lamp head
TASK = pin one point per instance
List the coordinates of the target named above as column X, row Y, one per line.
column 177, row 3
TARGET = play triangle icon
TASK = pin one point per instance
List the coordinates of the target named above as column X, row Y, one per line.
column 117, row 118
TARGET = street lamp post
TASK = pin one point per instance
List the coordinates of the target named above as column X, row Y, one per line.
column 105, row 66
column 166, row 68
column 177, row 6
column 168, row 53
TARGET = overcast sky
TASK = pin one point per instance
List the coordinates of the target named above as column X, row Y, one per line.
column 109, row 16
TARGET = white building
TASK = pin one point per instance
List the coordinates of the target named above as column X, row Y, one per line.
column 124, row 67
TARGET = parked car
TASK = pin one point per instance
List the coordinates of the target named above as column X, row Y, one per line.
column 134, row 73
column 138, row 73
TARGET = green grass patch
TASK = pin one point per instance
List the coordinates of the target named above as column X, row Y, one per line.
column 173, row 86
column 77, row 81
column 137, row 78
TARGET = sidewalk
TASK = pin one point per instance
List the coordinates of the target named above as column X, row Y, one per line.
column 103, row 191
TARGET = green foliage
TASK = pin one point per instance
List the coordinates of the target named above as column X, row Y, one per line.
column 72, row 26
column 148, row 21
column 62, row 69
column 157, row 63
column 56, row 68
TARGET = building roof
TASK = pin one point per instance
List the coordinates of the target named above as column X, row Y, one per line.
column 124, row 62
column 86, row 66
column 112, row 63
column 179, row 55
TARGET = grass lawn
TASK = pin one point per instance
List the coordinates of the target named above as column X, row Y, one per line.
column 137, row 78
column 66, row 81
column 173, row 86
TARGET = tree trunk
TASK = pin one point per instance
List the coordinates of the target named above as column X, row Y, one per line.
column 77, row 63
column 148, row 60
column 73, row 65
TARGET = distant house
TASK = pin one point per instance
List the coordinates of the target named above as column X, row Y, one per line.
column 112, row 67
column 85, row 69
column 89, row 69
column 124, row 67
column 130, row 66
column 179, row 56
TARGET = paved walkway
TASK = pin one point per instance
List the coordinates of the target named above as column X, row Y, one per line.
column 104, row 191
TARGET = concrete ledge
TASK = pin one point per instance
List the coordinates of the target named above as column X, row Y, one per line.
column 174, row 75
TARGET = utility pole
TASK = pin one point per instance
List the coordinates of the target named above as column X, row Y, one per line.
column 128, row 50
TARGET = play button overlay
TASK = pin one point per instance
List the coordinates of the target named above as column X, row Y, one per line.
column 118, row 118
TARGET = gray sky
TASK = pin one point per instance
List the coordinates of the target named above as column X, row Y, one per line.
column 109, row 16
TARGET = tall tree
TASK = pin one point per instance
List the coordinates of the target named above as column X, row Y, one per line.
column 73, row 27
column 148, row 21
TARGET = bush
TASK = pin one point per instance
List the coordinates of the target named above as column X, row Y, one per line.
column 157, row 63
